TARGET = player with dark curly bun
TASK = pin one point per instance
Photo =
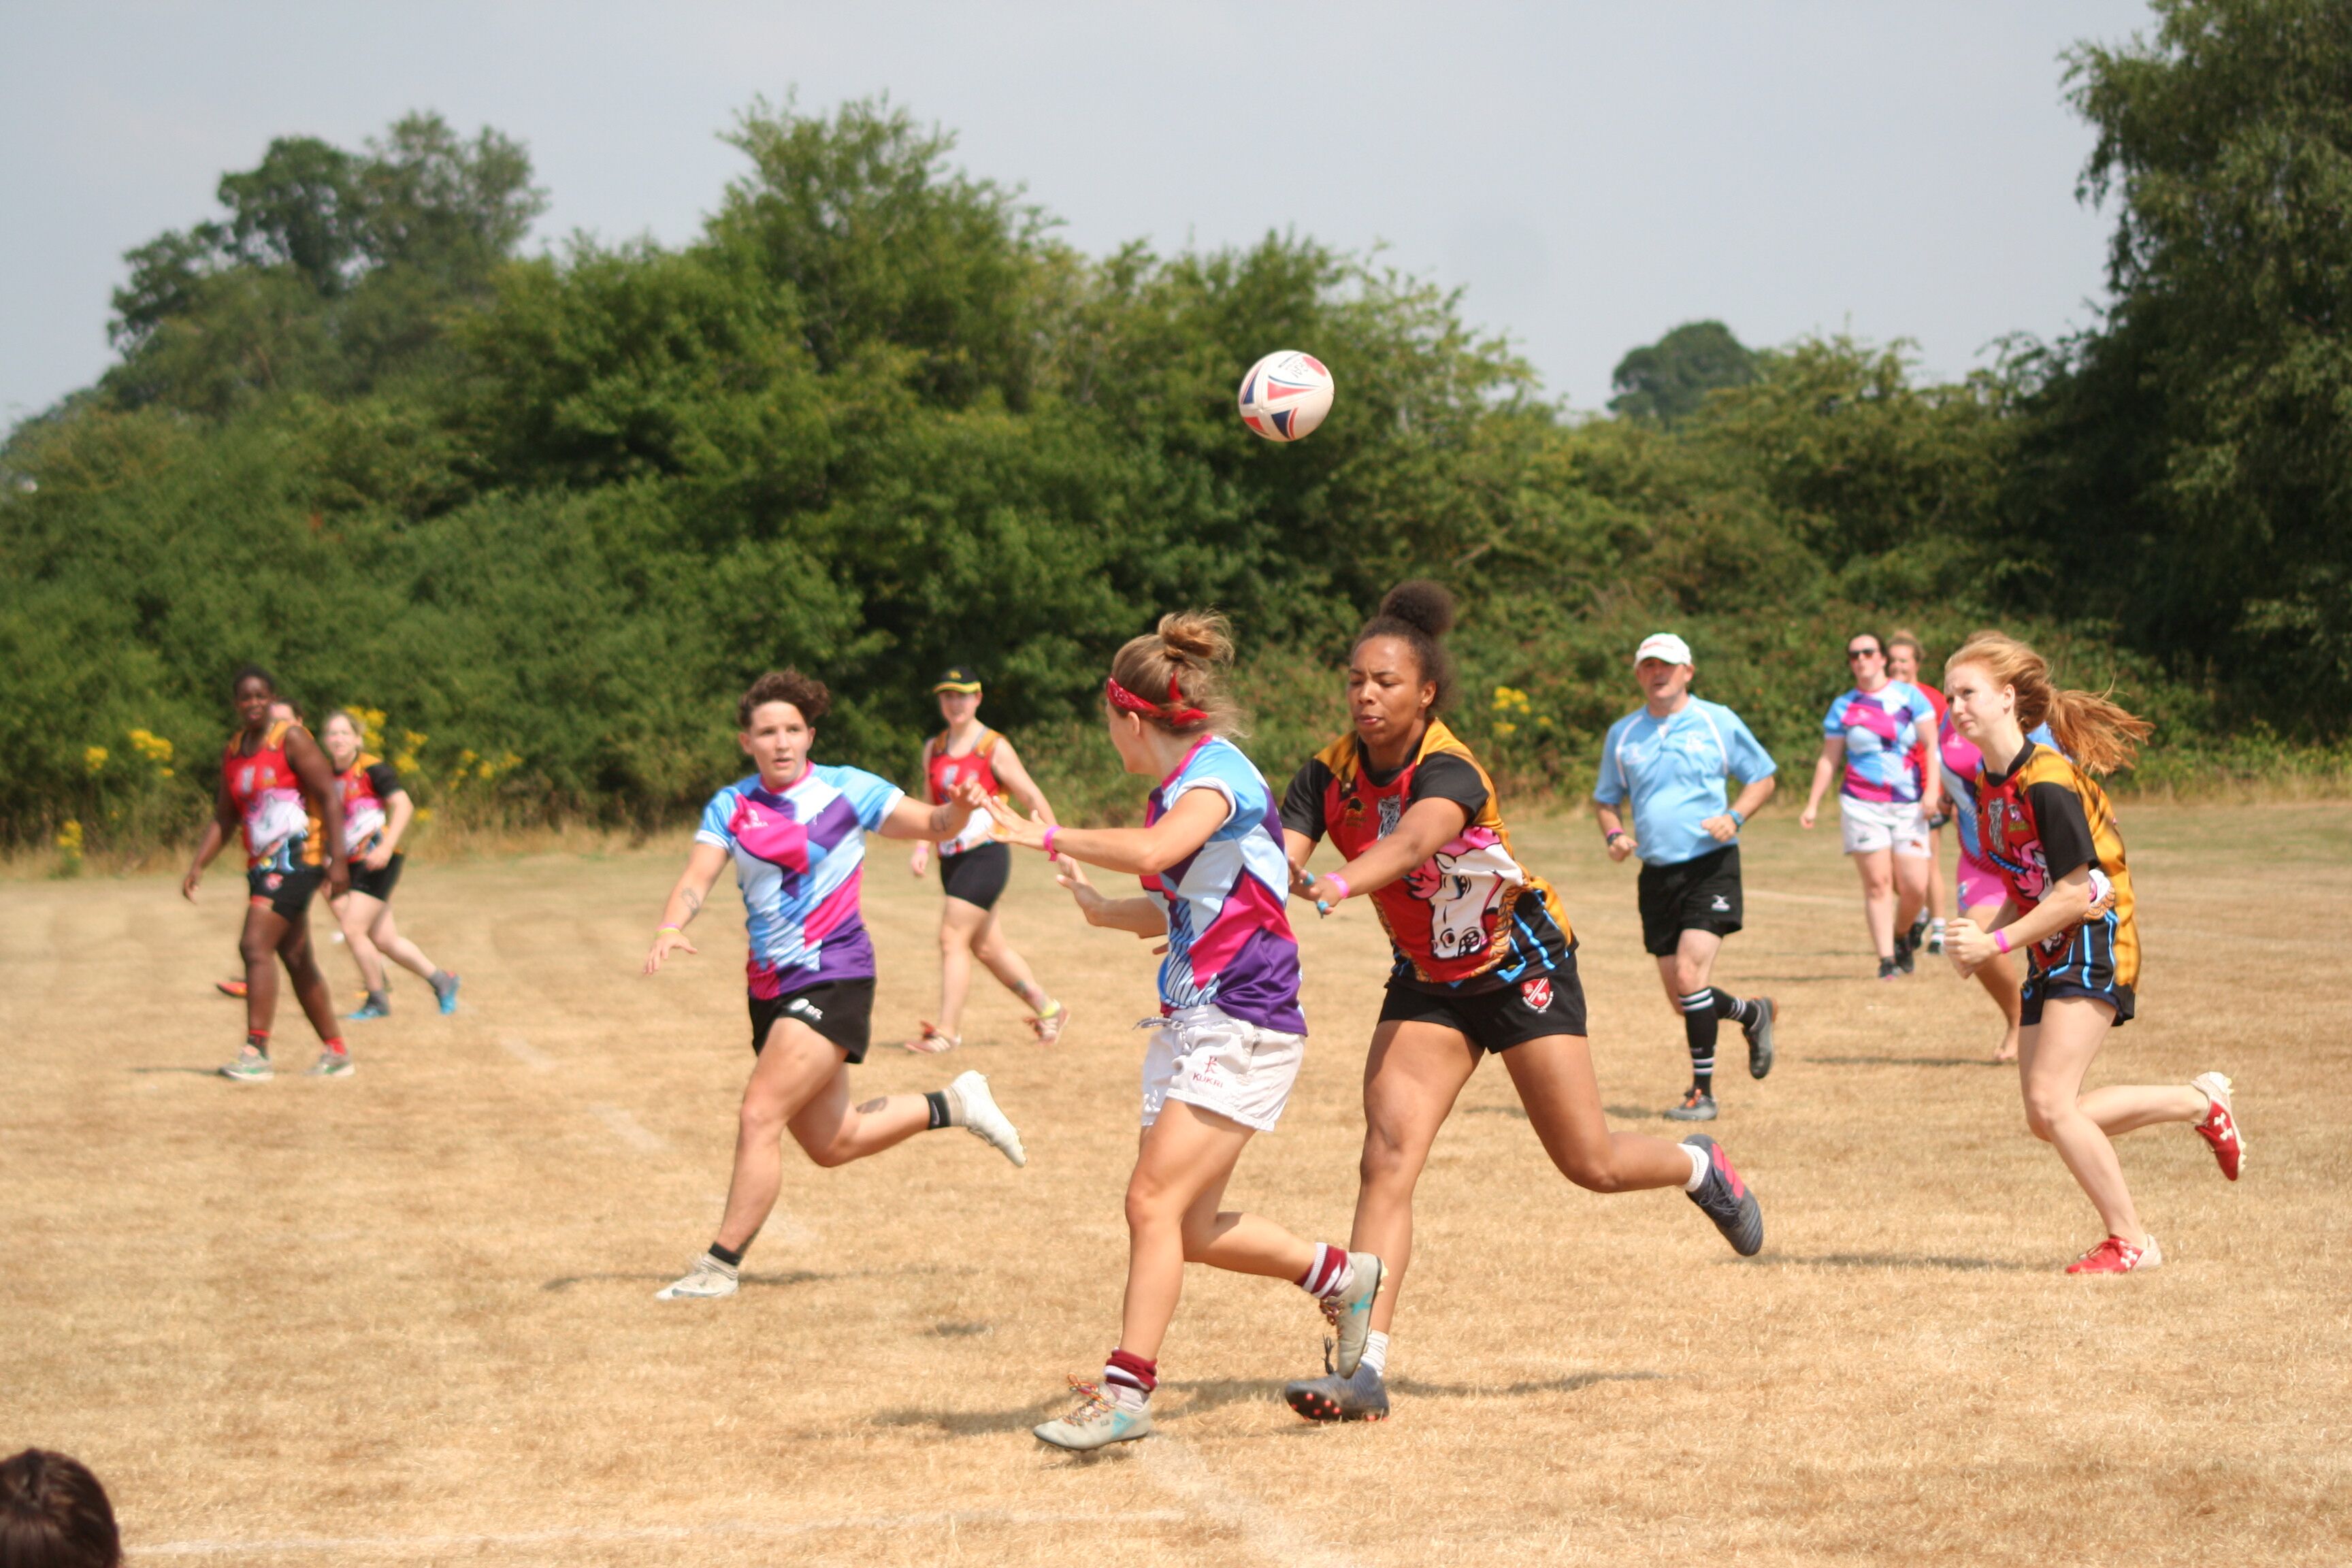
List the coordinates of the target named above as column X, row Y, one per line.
column 1485, row 961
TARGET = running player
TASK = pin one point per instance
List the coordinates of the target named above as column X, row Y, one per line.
column 1229, row 1037
column 2042, row 819
column 1485, row 961
column 1669, row 757
column 1875, row 730
column 1904, row 659
column 377, row 813
column 278, row 791
column 974, row 867
column 796, row 832
column 1977, row 879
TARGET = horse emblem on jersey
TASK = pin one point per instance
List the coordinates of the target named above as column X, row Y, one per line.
column 1461, row 883
column 1536, row 994
column 1392, row 812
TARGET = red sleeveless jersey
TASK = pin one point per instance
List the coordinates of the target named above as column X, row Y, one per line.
column 281, row 829
column 942, row 774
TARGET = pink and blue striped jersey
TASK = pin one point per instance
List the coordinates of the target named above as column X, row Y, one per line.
column 798, row 855
column 1229, row 941
column 1887, row 732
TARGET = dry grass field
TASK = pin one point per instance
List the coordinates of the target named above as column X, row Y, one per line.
column 408, row 1318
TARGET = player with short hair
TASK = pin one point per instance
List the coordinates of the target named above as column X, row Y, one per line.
column 377, row 813
column 974, row 867
column 2042, row 819
column 277, row 791
column 1905, row 657
column 1231, row 1036
column 55, row 1514
column 796, row 833
column 1669, row 758
column 1485, row 961
column 1877, row 730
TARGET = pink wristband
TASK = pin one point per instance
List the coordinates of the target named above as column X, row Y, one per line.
column 1345, row 890
column 1049, row 839
column 2001, row 939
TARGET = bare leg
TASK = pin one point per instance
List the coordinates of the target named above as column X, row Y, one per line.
column 387, row 936
column 358, row 912
column 1411, row 1081
column 2127, row 1108
column 2054, row 1055
column 311, row 986
column 265, row 928
column 1999, row 978
column 1877, row 870
column 1012, row 970
column 1186, row 1157
column 1939, row 890
column 960, row 922
column 800, row 1081
column 1910, row 885
column 1556, row 1083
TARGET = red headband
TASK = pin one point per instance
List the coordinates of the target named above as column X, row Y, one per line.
column 1120, row 697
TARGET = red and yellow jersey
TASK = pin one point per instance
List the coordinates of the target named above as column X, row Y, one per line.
column 281, row 827
column 1470, row 915
column 368, row 785
column 2046, row 817
column 943, row 773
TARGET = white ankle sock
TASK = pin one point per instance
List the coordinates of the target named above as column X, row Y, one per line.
column 1126, row 1397
column 1376, row 1352
column 1699, row 1166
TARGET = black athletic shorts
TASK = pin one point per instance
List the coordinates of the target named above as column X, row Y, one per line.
column 1701, row 894
column 288, row 894
column 377, row 884
column 840, row 1010
column 1528, row 1008
column 977, row 875
column 2085, row 969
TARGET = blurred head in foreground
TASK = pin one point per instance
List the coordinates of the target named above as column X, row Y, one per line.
column 54, row 1514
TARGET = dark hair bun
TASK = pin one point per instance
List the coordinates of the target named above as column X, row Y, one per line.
column 1421, row 604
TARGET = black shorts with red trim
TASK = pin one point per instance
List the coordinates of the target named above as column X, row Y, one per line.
column 840, row 1010
column 288, row 894
column 1506, row 1013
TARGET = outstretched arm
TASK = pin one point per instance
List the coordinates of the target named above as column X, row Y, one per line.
column 686, row 902
column 1425, row 826
column 933, row 824
column 1144, row 851
column 1143, row 916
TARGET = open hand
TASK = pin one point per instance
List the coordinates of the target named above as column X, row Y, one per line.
column 666, row 941
column 1009, row 827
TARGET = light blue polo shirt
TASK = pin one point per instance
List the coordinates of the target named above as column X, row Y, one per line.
column 1674, row 770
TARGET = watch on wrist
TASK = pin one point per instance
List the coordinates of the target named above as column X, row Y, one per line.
column 1737, row 818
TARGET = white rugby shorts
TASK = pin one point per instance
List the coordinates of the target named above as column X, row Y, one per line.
column 1899, row 825
column 1205, row 1058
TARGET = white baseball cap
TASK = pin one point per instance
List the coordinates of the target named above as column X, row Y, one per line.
column 1665, row 646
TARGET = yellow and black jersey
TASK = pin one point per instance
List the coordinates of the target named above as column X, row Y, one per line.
column 1471, row 916
column 2036, row 823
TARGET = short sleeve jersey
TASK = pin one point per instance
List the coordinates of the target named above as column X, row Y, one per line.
column 2037, row 822
column 1961, row 760
column 1469, row 918
column 1229, row 940
column 1673, row 769
column 366, row 785
column 1885, row 733
column 281, row 832
column 799, row 853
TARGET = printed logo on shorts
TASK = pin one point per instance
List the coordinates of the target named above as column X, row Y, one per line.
column 1536, row 994
column 1720, row 906
column 273, row 881
column 805, row 1008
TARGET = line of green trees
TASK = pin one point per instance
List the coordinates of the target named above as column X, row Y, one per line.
column 549, row 513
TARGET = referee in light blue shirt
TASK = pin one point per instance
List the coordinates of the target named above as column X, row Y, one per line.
column 1670, row 758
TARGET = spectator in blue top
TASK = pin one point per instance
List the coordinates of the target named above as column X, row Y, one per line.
column 1881, row 733
column 1670, row 758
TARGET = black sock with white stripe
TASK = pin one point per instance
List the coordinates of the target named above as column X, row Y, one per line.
column 1699, row 1025
column 1746, row 1015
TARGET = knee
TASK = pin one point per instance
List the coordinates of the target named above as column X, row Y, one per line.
column 2042, row 1116
column 1147, row 1209
column 759, row 1119
column 254, row 950
column 1593, row 1174
column 1385, row 1162
column 829, row 1155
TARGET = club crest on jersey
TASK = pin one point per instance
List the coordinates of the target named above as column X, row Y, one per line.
column 1536, row 994
column 1392, row 811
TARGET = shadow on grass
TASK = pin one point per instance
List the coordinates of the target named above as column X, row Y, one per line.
column 213, row 1071
column 748, row 1282
column 1902, row 1061
column 960, row 1331
column 1412, row 1387
column 1908, row 1260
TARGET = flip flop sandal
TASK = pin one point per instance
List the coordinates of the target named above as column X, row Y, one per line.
column 933, row 1043
column 1047, row 1027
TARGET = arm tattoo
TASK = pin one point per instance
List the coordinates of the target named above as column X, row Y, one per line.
column 693, row 902
column 873, row 1105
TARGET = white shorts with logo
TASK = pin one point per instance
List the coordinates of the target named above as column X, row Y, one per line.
column 1206, row 1057
column 1899, row 825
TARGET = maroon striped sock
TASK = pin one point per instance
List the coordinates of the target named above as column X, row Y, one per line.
column 1327, row 1273
column 1132, row 1373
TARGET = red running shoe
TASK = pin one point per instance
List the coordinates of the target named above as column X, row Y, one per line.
column 230, row 987
column 2116, row 1256
column 2220, row 1129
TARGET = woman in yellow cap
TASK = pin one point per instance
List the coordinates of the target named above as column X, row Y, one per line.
column 973, row 868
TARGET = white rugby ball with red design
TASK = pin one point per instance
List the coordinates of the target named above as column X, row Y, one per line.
column 1286, row 395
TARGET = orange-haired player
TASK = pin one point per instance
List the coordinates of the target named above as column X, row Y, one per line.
column 278, row 790
column 2044, row 821
column 1485, row 961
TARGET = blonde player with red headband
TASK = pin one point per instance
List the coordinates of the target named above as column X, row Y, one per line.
column 1231, row 1037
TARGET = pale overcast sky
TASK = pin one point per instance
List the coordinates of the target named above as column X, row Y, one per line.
column 1590, row 173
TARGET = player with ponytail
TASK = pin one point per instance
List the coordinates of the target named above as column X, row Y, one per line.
column 1231, row 1036
column 1485, row 961
column 2046, row 824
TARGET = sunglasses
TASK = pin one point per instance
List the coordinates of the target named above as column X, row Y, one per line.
column 1854, row 653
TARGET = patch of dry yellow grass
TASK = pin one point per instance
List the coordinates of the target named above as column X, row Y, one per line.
column 408, row 1318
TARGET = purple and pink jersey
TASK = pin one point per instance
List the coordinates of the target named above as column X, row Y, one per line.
column 1229, row 941
column 799, row 853
column 1885, row 734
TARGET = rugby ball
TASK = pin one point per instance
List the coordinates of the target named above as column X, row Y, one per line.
column 1286, row 395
